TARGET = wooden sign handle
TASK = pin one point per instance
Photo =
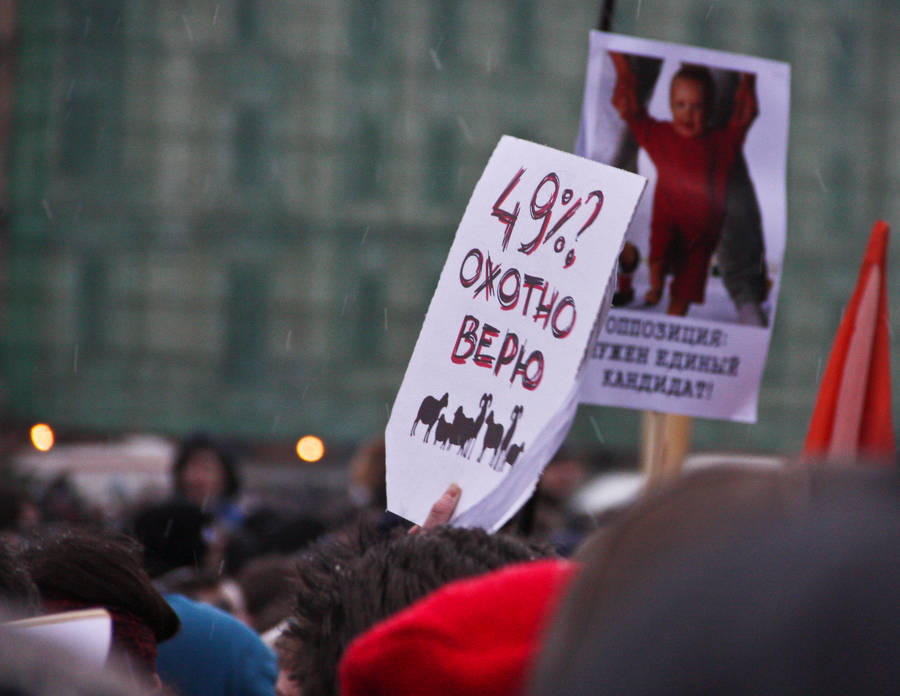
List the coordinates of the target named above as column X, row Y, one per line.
column 665, row 440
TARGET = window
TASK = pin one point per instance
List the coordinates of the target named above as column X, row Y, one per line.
column 247, row 19
column 245, row 322
column 250, row 147
column 92, row 294
column 91, row 108
column 370, row 319
column 81, row 134
column 366, row 29
column 441, row 154
column 364, row 159
column 445, row 31
column 522, row 39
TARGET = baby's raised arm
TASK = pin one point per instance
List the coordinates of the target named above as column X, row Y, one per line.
column 746, row 106
column 624, row 96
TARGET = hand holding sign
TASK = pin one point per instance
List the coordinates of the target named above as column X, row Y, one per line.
column 442, row 510
column 492, row 384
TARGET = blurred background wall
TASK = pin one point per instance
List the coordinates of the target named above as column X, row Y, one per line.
column 232, row 215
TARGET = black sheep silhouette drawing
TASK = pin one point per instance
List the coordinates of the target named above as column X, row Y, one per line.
column 494, row 440
column 428, row 413
column 497, row 460
column 469, row 427
column 512, row 454
column 458, row 428
column 493, row 436
column 462, row 431
column 442, row 432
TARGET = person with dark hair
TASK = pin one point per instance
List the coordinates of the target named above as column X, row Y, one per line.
column 205, row 472
column 267, row 585
column 18, row 592
column 367, row 471
column 77, row 569
column 285, row 685
column 60, row 502
column 219, row 591
column 738, row 582
column 471, row 637
column 214, row 654
column 172, row 535
column 18, row 512
column 345, row 587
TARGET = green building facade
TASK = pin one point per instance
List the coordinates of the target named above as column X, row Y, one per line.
column 232, row 215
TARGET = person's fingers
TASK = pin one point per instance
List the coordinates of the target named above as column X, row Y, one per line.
column 442, row 510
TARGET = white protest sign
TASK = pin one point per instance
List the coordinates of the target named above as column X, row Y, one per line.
column 709, row 234
column 493, row 382
column 85, row 633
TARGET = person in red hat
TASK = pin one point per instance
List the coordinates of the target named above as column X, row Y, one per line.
column 473, row 637
column 344, row 588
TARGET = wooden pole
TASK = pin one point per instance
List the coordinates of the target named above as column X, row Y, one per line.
column 652, row 435
column 665, row 440
column 604, row 23
column 665, row 437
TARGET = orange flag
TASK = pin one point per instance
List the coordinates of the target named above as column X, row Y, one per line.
column 852, row 417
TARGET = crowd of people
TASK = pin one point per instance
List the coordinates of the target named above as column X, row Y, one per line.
column 730, row 579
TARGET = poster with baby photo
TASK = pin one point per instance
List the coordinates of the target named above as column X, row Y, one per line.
column 698, row 276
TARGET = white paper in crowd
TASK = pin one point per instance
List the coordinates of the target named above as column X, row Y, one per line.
column 708, row 363
column 493, row 382
column 85, row 634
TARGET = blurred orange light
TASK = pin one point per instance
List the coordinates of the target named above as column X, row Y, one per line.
column 310, row 448
column 42, row 437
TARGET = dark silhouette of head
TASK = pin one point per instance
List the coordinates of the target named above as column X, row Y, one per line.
column 75, row 568
column 738, row 582
column 206, row 447
column 346, row 586
column 172, row 536
column 18, row 592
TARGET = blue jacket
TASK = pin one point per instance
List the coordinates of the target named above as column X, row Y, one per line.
column 214, row 654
